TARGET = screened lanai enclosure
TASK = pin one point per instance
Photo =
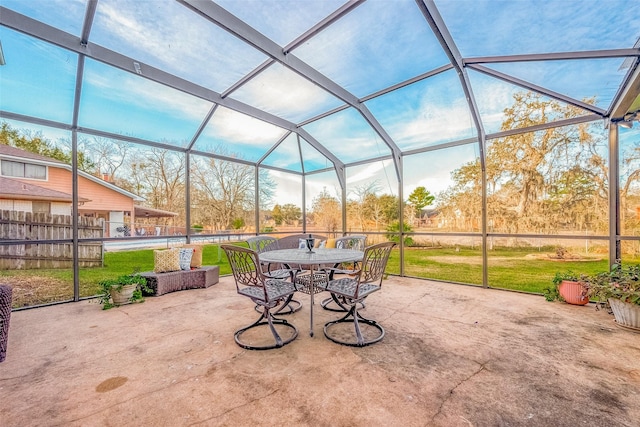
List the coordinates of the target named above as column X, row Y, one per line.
column 496, row 142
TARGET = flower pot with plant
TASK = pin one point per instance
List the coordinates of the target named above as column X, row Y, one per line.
column 125, row 289
column 619, row 289
column 569, row 287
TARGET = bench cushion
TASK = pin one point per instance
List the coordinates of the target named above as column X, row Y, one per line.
column 166, row 260
column 196, row 258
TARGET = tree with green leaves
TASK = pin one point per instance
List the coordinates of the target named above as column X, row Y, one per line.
column 381, row 210
column 537, row 182
column 36, row 142
column 277, row 215
column 286, row 214
column 291, row 213
column 419, row 199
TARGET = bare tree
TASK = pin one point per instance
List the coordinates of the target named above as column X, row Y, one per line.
column 108, row 154
column 326, row 212
column 158, row 176
column 356, row 209
column 225, row 191
column 381, row 210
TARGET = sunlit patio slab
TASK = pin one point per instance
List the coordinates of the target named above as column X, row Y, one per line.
column 452, row 356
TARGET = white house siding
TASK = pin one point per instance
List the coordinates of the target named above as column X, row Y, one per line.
column 15, row 205
column 6, row 205
column 116, row 219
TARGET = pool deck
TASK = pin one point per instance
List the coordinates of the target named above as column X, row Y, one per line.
column 452, row 356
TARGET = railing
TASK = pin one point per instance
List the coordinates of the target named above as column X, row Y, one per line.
column 124, row 229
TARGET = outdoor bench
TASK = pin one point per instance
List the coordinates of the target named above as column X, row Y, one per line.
column 162, row 283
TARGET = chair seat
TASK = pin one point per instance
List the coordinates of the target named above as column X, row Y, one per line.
column 347, row 286
column 276, row 289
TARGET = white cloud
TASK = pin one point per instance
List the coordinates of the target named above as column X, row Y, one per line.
column 437, row 124
column 165, row 34
column 284, row 93
column 238, row 128
column 139, row 93
column 281, row 20
column 288, row 188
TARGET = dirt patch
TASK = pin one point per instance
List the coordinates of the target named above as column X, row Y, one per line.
column 477, row 260
column 473, row 260
column 34, row 290
column 565, row 258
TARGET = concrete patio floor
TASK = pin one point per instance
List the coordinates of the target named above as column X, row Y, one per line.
column 452, row 356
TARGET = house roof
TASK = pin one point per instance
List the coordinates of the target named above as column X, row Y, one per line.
column 9, row 151
column 18, row 190
column 13, row 153
column 143, row 211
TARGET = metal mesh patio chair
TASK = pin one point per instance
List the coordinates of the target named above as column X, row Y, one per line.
column 355, row 242
column 264, row 291
column 293, row 241
column 262, row 244
column 354, row 289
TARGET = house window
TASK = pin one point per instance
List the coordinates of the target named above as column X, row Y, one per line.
column 23, row 170
column 41, row 207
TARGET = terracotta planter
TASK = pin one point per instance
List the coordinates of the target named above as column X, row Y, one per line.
column 123, row 296
column 626, row 314
column 573, row 292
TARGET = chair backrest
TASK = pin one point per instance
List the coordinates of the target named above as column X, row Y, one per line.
column 244, row 265
column 374, row 262
column 262, row 243
column 293, row 241
column 356, row 242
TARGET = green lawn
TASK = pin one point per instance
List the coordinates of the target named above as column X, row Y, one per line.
column 33, row 287
column 509, row 268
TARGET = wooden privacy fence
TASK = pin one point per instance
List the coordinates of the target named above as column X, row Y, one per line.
column 18, row 225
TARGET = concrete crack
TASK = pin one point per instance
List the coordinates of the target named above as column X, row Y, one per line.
column 464, row 380
column 204, row 421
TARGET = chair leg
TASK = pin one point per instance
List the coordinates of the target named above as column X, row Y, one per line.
column 343, row 305
column 267, row 319
column 290, row 306
column 354, row 317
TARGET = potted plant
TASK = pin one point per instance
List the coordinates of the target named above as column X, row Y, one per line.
column 569, row 287
column 123, row 290
column 620, row 290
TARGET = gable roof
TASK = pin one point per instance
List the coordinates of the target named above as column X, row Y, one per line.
column 146, row 212
column 9, row 151
column 17, row 154
column 18, row 190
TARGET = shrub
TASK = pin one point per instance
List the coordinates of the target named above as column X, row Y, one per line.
column 393, row 233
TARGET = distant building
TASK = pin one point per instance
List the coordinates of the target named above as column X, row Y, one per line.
column 34, row 183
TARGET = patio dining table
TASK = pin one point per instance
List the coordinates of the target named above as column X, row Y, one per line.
column 302, row 258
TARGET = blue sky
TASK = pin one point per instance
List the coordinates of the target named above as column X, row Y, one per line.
column 376, row 45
